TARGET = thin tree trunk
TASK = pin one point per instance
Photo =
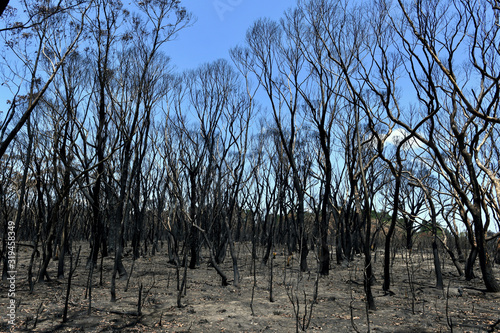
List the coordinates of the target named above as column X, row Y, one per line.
column 219, row 271
column 387, row 249
column 234, row 256
column 68, row 287
column 490, row 281
column 437, row 265
column 469, row 265
column 22, row 195
column 454, row 259
column 368, row 271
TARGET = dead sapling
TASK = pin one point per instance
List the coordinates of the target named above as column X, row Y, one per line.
column 70, row 276
column 449, row 320
column 131, row 272
column 271, row 276
column 254, row 285
column 143, row 297
column 298, row 297
column 139, row 302
column 411, row 280
column 351, row 306
column 38, row 311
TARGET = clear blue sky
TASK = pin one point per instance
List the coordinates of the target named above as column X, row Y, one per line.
column 220, row 25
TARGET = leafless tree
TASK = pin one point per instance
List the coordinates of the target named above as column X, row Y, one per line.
column 466, row 114
column 51, row 46
column 277, row 63
column 138, row 88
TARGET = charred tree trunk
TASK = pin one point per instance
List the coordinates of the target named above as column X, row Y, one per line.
column 469, row 264
column 390, row 232
column 20, row 206
column 304, row 249
column 324, row 252
column 47, row 251
column 339, row 240
column 369, row 277
column 497, row 253
column 193, row 234
column 64, row 244
column 490, row 281
column 409, row 232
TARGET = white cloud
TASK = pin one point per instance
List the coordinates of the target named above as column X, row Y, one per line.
column 399, row 134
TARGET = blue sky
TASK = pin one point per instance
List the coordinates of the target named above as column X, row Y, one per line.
column 220, row 25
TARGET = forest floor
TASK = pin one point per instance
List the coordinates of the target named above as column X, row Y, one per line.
column 209, row 307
